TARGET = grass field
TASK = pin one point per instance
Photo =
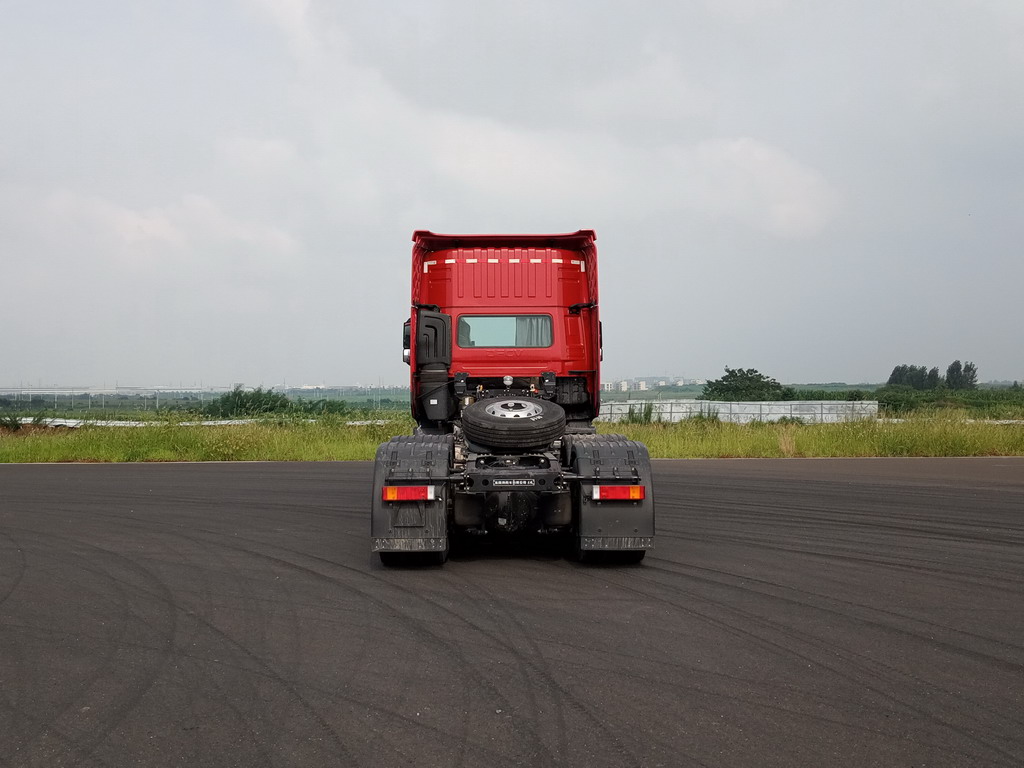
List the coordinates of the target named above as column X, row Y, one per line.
column 327, row 439
column 330, row 439
column 913, row 437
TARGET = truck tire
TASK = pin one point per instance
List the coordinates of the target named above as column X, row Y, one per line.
column 513, row 422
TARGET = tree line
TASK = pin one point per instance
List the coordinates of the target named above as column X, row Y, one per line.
column 749, row 384
column 958, row 376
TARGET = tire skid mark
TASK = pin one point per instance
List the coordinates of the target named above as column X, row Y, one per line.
column 523, row 663
column 12, row 651
column 953, row 529
column 538, row 745
column 201, row 665
column 998, row 581
column 884, row 694
column 561, row 696
column 851, row 520
column 276, row 677
column 783, row 651
column 463, row 735
column 439, row 640
column 541, row 669
column 18, row 559
column 1008, row 666
column 767, row 608
column 46, row 725
column 505, row 639
column 155, row 595
column 533, row 660
column 268, row 671
column 164, row 648
column 686, row 571
column 744, row 635
column 858, row 662
column 73, row 691
column 813, row 640
column 83, row 746
column 653, row 681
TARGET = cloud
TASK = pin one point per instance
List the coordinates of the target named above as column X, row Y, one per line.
column 192, row 233
column 259, row 156
column 749, row 181
column 242, row 169
column 736, row 181
column 375, row 147
column 657, row 90
column 292, row 17
column 746, row 11
column 119, row 230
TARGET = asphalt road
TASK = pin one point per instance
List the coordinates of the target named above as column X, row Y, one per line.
column 794, row 613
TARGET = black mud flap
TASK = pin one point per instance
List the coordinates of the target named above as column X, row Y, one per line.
column 616, row 525
column 419, row 525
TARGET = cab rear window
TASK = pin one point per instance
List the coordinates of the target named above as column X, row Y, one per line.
column 504, row 331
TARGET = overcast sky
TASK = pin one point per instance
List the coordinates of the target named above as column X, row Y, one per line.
column 224, row 191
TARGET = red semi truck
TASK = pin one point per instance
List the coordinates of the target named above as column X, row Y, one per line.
column 504, row 349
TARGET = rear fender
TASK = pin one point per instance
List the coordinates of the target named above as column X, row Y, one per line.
column 612, row 525
column 411, row 526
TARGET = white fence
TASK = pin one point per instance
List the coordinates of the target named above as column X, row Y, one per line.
column 806, row 411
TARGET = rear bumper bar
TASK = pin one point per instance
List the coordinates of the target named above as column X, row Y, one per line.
column 393, row 544
column 616, row 543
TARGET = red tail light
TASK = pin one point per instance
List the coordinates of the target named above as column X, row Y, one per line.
column 407, row 493
column 619, row 492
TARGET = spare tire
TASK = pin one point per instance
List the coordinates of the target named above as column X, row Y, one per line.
column 513, row 422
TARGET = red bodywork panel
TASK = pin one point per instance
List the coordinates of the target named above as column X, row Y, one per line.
column 515, row 275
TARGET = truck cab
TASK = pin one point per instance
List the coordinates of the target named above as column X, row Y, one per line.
column 503, row 344
column 490, row 307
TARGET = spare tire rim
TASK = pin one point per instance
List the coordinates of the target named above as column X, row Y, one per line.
column 514, row 409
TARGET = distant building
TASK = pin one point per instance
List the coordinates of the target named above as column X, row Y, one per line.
column 608, row 386
column 623, row 386
column 642, row 385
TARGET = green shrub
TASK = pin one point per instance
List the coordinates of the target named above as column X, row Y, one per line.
column 10, row 422
column 640, row 414
column 247, row 404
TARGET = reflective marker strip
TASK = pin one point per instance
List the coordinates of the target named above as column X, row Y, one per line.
column 428, row 264
column 407, row 493
column 619, row 492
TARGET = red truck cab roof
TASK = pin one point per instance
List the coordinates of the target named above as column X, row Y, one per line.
column 573, row 241
column 504, row 271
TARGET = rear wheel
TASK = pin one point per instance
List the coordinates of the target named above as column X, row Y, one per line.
column 393, row 559
column 629, row 556
column 609, row 556
column 440, row 558
column 413, row 559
